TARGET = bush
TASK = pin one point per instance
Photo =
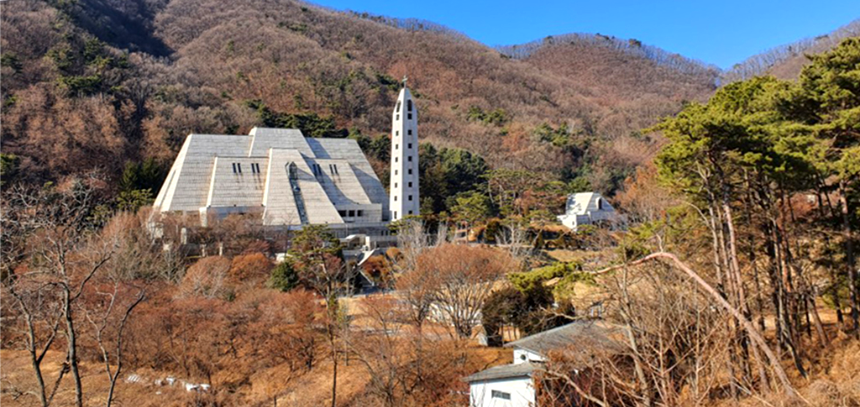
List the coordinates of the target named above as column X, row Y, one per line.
column 254, row 266
column 528, row 280
column 284, row 277
column 206, row 278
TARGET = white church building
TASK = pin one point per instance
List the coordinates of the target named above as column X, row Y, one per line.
column 586, row 208
column 288, row 180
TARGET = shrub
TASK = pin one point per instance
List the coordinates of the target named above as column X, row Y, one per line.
column 206, row 278
column 284, row 277
column 252, row 266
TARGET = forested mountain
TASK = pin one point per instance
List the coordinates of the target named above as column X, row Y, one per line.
column 786, row 61
column 93, row 84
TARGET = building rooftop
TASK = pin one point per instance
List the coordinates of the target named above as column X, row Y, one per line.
column 592, row 334
column 504, row 372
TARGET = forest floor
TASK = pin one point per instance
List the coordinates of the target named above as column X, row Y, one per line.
column 309, row 389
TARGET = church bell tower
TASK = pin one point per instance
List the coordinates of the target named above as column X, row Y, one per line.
column 404, row 200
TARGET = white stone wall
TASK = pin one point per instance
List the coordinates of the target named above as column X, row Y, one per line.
column 404, row 199
column 520, row 390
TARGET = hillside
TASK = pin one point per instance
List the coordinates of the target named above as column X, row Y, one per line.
column 161, row 70
column 786, row 61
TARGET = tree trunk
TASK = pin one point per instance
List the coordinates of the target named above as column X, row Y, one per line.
column 849, row 257
column 72, row 347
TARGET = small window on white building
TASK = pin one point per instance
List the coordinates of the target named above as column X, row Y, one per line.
column 234, row 168
column 395, row 198
column 397, row 146
column 500, row 395
column 395, row 185
column 398, row 107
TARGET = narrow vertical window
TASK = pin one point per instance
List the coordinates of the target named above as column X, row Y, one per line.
column 409, row 105
column 410, row 197
column 234, row 168
column 409, row 146
column 398, row 106
column 409, row 132
column 409, row 158
column 239, row 167
column 410, row 171
column 410, row 184
column 409, row 116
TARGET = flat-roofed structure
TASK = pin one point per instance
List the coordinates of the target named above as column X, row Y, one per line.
column 281, row 176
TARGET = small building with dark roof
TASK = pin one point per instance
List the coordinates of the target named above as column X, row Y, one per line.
column 512, row 385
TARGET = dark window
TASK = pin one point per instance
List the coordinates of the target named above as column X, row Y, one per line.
column 397, row 132
column 396, row 146
column 395, row 214
column 398, row 107
column 409, row 132
column 409, row 105
column 239, row 167
column 410, row 185
column 395, row 198
column 410, row 197
column 341, row 213
column 410, row 211
column 409, row 146
column 501, row 395
column 410, row 171
column 359, row 213
column 351, row 214
column 395, row 172
column 397, row 117
column 396, row 159
column 409, row 158
column 395, row 185
column 335, row 169
column 234, row 168
column 599, row 204
column 409, row 116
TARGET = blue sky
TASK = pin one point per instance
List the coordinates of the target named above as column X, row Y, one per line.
column 721, row 33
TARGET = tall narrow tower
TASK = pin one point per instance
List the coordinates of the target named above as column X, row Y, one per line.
column 404, row 199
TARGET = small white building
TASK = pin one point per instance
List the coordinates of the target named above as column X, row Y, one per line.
column 513, row 385
column 586, row 208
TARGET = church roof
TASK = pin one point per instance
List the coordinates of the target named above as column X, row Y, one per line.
column 251, row 172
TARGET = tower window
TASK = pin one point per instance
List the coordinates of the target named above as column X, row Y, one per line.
column 410, row 197
column 409, row 171
column 397, row 117
column 409, row 158
column 239, row 167
column 359, row 213
column 395, row 214
column 396, row 159
column 234, row 168
column 409, row 116
column 409, row 146
column 397, row 146
column 398, row 107
column 395, row 185
column 410, row 184
column 397, row 132
column 395, row 198
column 395, row 172
column 410, row 211
column 409, row 132
column 408, row 105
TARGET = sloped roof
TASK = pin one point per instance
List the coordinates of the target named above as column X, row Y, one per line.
column 504, row 372
column 578, row 334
